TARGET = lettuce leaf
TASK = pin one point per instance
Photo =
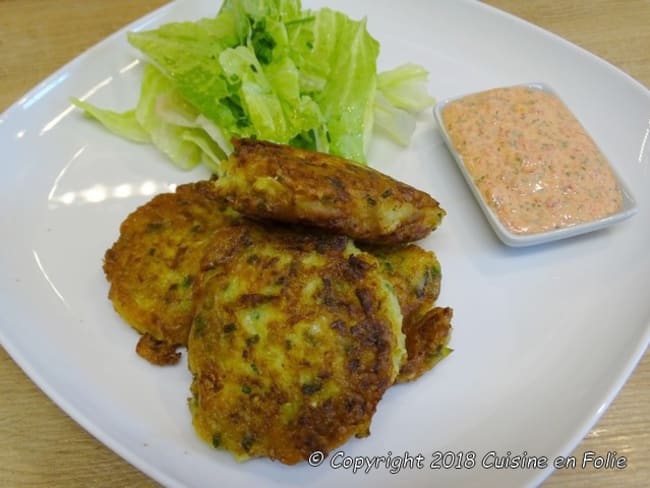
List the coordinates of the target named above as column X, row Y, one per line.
column 401, row 93
column 397, row 123
column 406, row 87
column 162, row 118
column 124, row 124
column 168, row 137
column 345, row 56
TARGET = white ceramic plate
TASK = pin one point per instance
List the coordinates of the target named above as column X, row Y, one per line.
column 544, row 337
column 508, row 237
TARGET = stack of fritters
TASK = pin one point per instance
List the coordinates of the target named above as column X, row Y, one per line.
column 294, row 331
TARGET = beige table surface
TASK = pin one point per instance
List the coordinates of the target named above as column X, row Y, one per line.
column 41, row 446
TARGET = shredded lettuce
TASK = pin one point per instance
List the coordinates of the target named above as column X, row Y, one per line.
column 271, row 70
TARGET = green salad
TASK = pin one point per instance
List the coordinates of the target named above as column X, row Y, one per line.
column 266, row 69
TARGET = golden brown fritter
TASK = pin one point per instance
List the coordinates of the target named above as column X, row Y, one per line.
column 157, row 351
column 415, row 276
column 427, row 337
column 270, row 181
column 295, row 339
column 152, row 265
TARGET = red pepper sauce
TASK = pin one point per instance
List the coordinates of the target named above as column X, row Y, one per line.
column 531, row 159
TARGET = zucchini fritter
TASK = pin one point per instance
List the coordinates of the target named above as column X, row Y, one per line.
column 427, row 337
column 270, row 181
column 154, row 262
column 414, row 273
column 295, row 339
column 415, row 276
